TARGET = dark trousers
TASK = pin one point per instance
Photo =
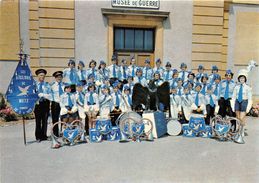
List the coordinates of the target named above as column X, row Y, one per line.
column 55, row 112
column 225, row 109
column 41, row 112
column 210, row 113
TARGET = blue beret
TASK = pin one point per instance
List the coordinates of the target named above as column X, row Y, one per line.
column 80, row 83
column 90, row 76
column 157, row 72
column 205, row 75
column 114, row 57
column 217, row 76
column 214, row 67
column 198, row 84
column 106, row 78
column 229, row 71
column 200, row 67
column 102, row 62
column 185, row 85
column 126, row 87
column 179, row 79
column 139, row 69
column 175, row 71
column 158, row 60
column 209, row 87
column 168, row 64
column 173, row 87
column 147, row 61
column 90, row 84
column 123, row 61
column 183, row 65
column 71, row 62
column 67, row 85
column 129, row 76
column 115, row 84
column 82, row 63
column 104, row 86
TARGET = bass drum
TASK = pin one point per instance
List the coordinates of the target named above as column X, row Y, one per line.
column 174, row 127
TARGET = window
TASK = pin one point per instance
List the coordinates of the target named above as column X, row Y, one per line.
column 133, row 39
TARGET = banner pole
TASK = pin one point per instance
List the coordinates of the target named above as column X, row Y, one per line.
column 24, row 133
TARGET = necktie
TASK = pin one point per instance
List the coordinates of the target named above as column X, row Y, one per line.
column 183, row 76
column 167, row 76
column 139, row 80
column 114, row 71
column 129, row 100
column 41, row 87
column 93, row 72
column 216, row 90
column 70, row 104
column 174, row 98
column 146, row 74
column 240, row 94
column 91, row 98
column 117, row 99
column 203, row 89
column 133, row 71
column 211, row 101
column 124, row 72
column 81, row 100
column 60, row 90
column 226, row 91
column 179, row 92
column 197, row 99
column 71, row 76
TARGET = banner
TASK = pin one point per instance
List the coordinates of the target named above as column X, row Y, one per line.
column 148, row 4
column 21, row 92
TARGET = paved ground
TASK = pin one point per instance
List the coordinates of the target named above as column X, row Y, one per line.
column 168, row 159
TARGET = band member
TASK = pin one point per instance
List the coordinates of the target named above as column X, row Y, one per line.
column 91, row 105
column 81, row 72
column 167, row 75
column 157, row 81
column 127, row 102
column 186, row 104
column 211, row 104
column 216, row 85
column 132, row 67
column 159, row 68
column 68, row 105
column 57, row 89
column 179, row 86
column 200, row 73
column 105, row 102
column 214, row 71
column 147, row 70
column 199, row 101
column 117, row 102
column 80, row 96
column 242, row 98
column 183, row 73
column 123, row 71
column 173, row 81
column 70, row 75
column 130, row 83
column 114, row 69
column 191, row 77
column 191, row 87
column 204, row 82
column 103, row 72
column 175, row 103
column 139, row 78
column 92, row 69
column 226, row 89
column 41, row 109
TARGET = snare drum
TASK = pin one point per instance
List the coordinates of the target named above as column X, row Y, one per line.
column 174, row 127
column 207, row 133
column 114, row 134
column 95, row 135
column 187, row 131
column 104, row 126
column 197, row 123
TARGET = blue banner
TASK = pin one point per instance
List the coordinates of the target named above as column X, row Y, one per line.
column 21, row 93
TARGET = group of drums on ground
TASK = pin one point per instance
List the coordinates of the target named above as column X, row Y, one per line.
column 79, row 93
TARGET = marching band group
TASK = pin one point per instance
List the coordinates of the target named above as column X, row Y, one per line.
column 85, row 93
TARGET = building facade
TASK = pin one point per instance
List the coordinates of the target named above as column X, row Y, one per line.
column 208, row 32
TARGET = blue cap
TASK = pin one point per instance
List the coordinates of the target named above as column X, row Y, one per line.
column 158, row 60
column 90, row 76
column 126, row 87
column 129, row 76
column 81, row 63
column 106, row 78
column 90, row 84
column 205, row 75
column 67, row 85
column 123, row 61
column 168, row 64
column 139, row 69
column 179, row 79
column 71, row 62
column 104, row 86
column 214, row 68
column 200, row 67
column 229, row 71
column 157, row 72
column 147, row 61
column 80, row 83
column 185, row 85
column 209, row 87
column 217, row 76
column 175, row 71
column 183, row 65
column 173, row 87
column 115, row 84
column 102, row 62
column 114, row 57
column 198, row 84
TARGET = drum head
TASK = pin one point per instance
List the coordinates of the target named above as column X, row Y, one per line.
column 174, row 127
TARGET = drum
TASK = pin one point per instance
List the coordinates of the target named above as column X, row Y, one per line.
column 221, row 129
column 114, row 134
column 187, row 131
column 207, row 133
column 197, row 123
column 138, row 129
column 104, row 126
column 95, row 135
column 174, row 127
column 71, row 134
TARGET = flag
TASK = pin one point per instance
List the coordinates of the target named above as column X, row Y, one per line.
column 21, row 92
